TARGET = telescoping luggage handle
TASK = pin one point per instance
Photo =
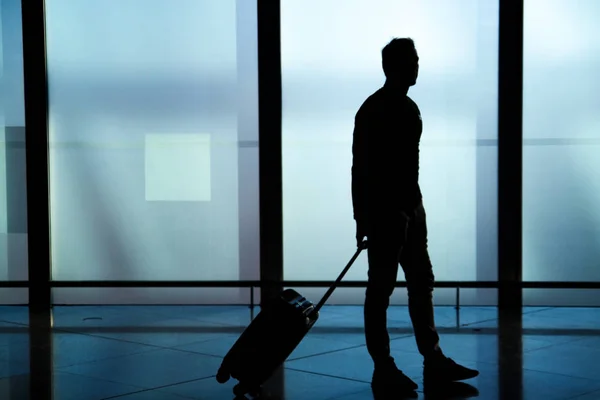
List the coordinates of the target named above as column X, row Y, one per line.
column 329, row 292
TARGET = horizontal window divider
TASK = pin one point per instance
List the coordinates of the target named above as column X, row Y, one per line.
column 299, row 284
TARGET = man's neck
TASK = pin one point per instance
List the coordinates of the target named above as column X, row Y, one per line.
column 396, row 86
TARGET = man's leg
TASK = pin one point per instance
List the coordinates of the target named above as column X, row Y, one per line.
column 384, row 247
column 420, row 279
column 383, row 251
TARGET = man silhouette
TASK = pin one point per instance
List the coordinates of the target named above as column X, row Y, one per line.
column 389, row 212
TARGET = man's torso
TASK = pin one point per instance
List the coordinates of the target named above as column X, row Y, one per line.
column 391, row 123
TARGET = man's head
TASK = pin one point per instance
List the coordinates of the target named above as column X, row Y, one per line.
column 400, row 61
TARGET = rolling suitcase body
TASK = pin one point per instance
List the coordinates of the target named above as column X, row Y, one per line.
column 272, row 336
column 268, row 341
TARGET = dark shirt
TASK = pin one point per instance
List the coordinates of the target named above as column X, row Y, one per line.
column 385, row 149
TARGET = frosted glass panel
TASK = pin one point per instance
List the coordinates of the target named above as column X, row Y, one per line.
column 561, row 129
column 172, row 161
column 13, row 189
column 153, row 146
column 331, row 60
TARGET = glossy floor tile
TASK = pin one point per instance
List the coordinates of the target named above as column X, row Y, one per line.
column 173, row 353
column 298, row 385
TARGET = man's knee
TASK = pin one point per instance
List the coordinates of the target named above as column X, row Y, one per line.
column 379, row 293
column 421, row 284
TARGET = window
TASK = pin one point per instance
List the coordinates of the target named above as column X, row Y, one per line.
column 13, row 189
column 153, row 146
column 561, row 139
column 331, row 62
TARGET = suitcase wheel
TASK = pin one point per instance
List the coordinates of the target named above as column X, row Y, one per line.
column 222, row 375
column 240, row 390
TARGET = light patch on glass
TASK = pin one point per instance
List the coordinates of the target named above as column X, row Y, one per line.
column 177, row 167
column 3, row 196
column 3, row 201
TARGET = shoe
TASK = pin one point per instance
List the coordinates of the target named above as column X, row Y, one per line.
column 389, row 379
column 443, row 369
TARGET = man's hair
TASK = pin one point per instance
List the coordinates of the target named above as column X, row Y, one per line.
column 395, row 54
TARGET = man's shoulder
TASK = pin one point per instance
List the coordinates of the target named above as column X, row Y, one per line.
column 412, row 102
column 370, row 104
column 414, row 107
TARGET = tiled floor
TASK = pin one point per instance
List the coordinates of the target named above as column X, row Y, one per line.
column 172, row 353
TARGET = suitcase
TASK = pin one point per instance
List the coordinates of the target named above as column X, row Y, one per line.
column 272, row 336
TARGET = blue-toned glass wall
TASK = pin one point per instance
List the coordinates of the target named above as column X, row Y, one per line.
column 331, row 62
column 561, row 139
column 13, row 190
column 153, row 146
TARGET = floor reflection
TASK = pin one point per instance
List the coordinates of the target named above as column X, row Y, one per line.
column 172, row 353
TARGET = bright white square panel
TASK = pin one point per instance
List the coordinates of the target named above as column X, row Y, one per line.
column 177, row 167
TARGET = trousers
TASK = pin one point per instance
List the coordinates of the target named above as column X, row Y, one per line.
column 393, row 242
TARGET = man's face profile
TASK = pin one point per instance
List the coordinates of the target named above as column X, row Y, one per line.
column 412, row 68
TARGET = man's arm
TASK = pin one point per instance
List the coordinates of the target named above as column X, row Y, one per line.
column 359, row 169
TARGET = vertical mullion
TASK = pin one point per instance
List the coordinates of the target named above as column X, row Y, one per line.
column 38, row 216
column 269, row 159
column 510, row 192
column 270, row 162
column 36, row 138
column 510, row 154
